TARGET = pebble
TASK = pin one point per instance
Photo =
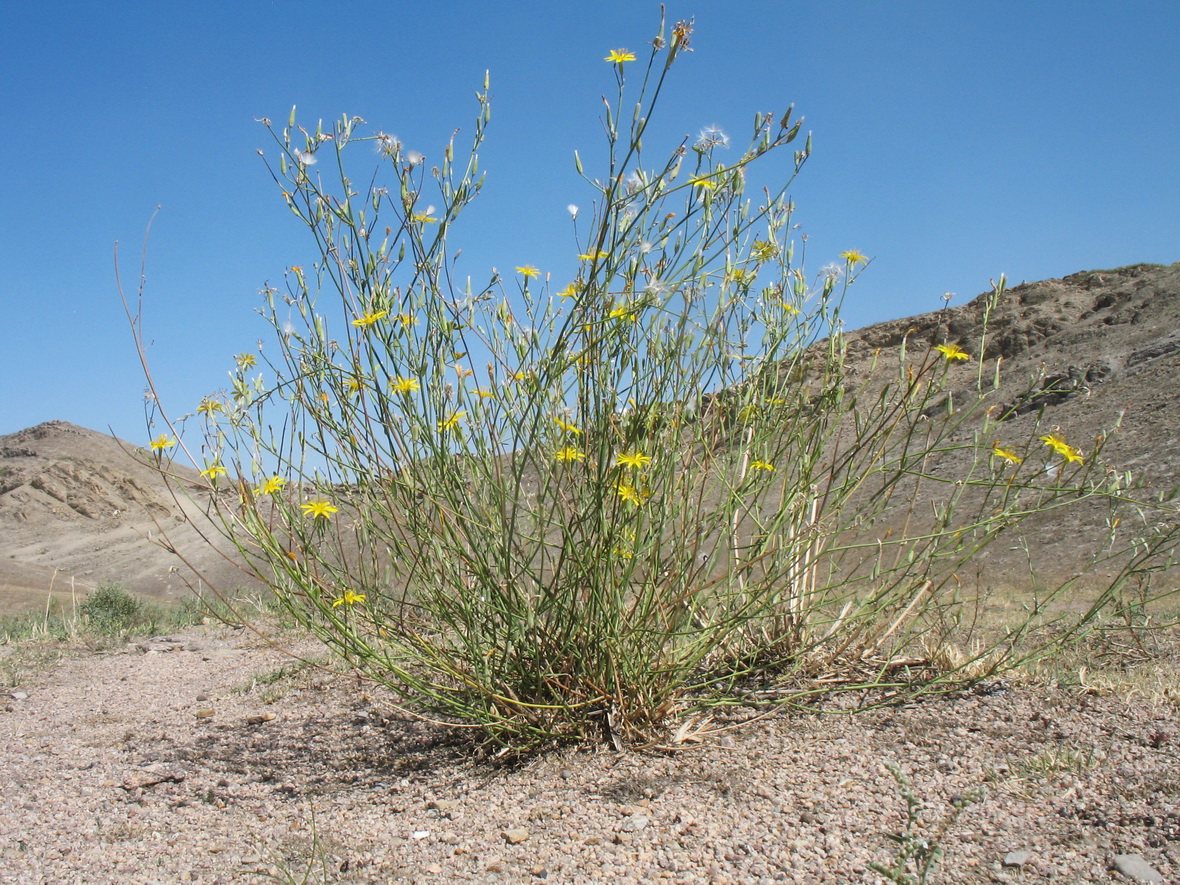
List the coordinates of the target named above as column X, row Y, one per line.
column 1016, row 858
column 20, row 695
column 1135, row 867
column 515, row 835
column 150, row 775
column 637, row 822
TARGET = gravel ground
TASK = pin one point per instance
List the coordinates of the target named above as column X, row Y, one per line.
column 193, row 759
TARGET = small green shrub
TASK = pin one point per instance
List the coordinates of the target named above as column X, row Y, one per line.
column 111, row 610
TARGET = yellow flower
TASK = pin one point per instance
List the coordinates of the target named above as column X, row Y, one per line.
column 703, row 182
column 593, row 256
column 272, row 485
column 319, row 509
column 618, row 56
column 214, row 470
column 567, row 427
column 369, row 317
column 405, row 385
column 406, row 320
column 623, row 312
column 630, row 494
column 742, row 276
column 350, row 597
column 569, row 291
column 451, row 421
column 1062, row 448
column 424, row 217
column 952, row 352
column 762, row 465
column 353, row 384
column 853, row 257
column 245, row 360
column 528, row 271
column 763, row 250
column 569, row 453
column 162, row 443
column 485, row 394
column 1007, row 454
column 635, row 459
column 209, row 406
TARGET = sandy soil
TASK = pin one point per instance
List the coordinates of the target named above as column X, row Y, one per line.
column 194, row 759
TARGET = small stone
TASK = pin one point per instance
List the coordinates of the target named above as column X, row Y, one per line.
column 434, row 868
column 1135, row 867
column 516, row 835
column 204, row 713
column 420, row 834
column 260, row 718
column 20, row 695
column 807, row 817
column 150, row 775
column 638, row 822
column 201, row 698
column 539, row 871
column 443, row 804
column 1016, row 858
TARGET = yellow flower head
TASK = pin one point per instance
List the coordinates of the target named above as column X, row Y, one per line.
column 245, row 360
column 569, row 291
column 209, row 406
column 618, row 56
column 319, row 509
column 703, row 182
column 1062, row 448
column 763, row 250
column 1007, row 454
column 623, row 312
column 952, row 352
column 424, row 217
column 405, row 385
column 369, row 317
column 630, row 494
column 569, row 453
column 406, row 320
column 762, row 465
column 214, row 470
column 451, row 421
column 272, row 485
column 567, row 427
column 854, row 257
column 350, row 597
column 593, row 256
column 161, row 443
column 484, row 394
column 528, row 271
column 634, row 459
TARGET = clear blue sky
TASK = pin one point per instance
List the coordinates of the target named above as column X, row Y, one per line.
column 952, row 141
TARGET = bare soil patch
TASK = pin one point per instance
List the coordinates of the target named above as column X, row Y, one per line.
column 212, row 757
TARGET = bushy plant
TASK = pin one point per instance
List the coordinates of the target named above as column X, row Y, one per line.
column 561, row 507
column 110, row 610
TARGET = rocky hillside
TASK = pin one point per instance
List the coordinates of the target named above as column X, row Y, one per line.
column 79, row 508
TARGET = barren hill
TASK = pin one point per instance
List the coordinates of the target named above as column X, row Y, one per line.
column 1073, row 354
column 78, row 508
